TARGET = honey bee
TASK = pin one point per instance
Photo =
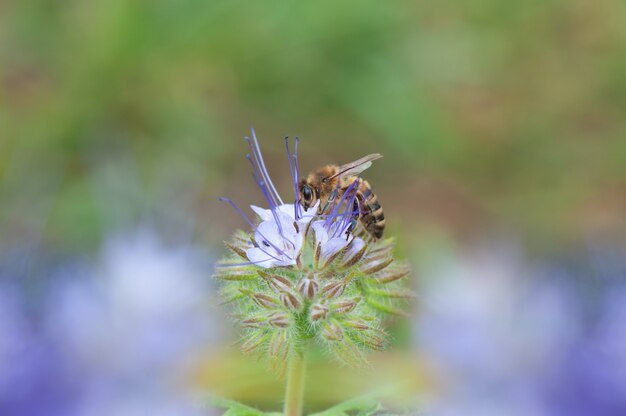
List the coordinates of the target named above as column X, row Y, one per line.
column 331, row 181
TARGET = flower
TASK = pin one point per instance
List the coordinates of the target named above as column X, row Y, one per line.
column 333, row 233
column 332, row 238
column 279, row 237
column 309, row 274
column 281, row 234
column 278, row 243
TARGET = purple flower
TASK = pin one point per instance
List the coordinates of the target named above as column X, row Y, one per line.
column 279, row 238
column 327, row 282
column 334, row 232
column 279, row 242
column 332, row 238
column 281, row 235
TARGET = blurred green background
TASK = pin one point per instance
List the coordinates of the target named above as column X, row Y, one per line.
column 494, row 117
column 489, row 113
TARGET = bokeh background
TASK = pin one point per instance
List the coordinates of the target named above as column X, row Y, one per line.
column 504, row 181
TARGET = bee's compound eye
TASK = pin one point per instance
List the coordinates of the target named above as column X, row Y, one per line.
column 307, row 193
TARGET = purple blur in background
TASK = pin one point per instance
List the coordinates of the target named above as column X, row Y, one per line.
column 117, row 337
column 509, row 337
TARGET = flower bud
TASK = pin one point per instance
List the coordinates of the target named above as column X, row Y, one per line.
column 319, row 311
column 332, row 332
column 386, row 308
column 376, row 264
column 264, row 301
column 333, row 289
column 308, row 287
column 384, row 249
column 389, row 276
column 254, row 341
column 392, row 294
column 279, row 320
column 290, row 301
column 233, row 274
column 357, row 324
column 316, row 257
column 276, row 282
column 278, row 343
column 345, row 306
column 354, row 252
column 373, row 341
column 255, row 322
column 237, row 250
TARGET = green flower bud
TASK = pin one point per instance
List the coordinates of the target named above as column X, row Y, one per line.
column 318, row 312
column 308, row 287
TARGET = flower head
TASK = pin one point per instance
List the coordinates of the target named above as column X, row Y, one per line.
column 309, row 273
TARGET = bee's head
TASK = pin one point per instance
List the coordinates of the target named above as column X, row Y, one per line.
column 306, row 194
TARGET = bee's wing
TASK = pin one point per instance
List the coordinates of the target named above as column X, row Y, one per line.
column 358, row 166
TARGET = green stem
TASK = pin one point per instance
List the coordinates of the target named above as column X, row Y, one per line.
column 295, row 384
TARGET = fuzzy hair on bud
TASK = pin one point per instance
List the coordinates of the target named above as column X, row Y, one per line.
column 264, row 301
column 279, row 320
column 308, row 287
column 332, row 331
column 333, row 289
column 319, row 312
column 345, row 306
column 290, row 301
column 277, row 282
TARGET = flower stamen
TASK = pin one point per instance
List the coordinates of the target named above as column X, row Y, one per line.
column 259, row 158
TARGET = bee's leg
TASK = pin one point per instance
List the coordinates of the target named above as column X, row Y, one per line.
column 351, row 227
column 331, row 198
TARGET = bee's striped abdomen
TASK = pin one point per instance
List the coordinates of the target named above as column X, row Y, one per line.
column 372, row 216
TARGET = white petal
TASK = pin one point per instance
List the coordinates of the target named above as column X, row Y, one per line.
column 270, row 228
column 309, row 214
column 286, row 262
column 355, row 247
column 288, row 209
column 321, row 233
column 332, row 247
column 287, row 224
column 284, row 242
column 268, row 231
column 257, row 256
column 265, row 214
column 293, row 238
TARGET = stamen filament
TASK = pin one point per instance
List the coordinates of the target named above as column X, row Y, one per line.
column 335, row 211
column 267, row 176
column 259, row 174
column 297, row 172
column 266, row 193
column 349, row 212
column 294, row 181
